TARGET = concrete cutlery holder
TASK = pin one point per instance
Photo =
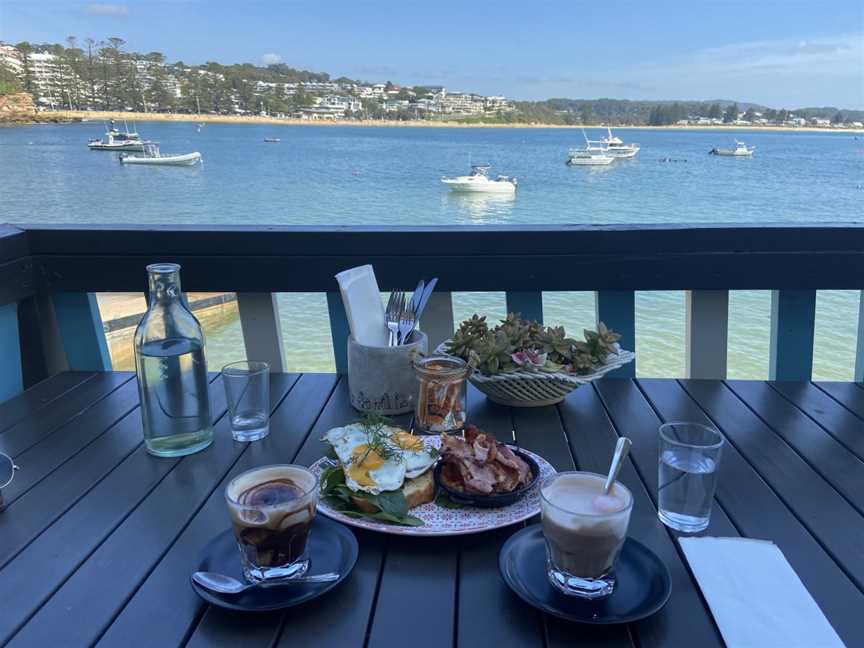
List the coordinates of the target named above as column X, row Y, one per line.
column 381, row 379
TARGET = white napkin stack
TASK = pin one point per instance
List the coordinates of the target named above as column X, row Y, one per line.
column 755, row 596
column 363, row 306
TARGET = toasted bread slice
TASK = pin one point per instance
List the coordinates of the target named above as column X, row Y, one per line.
column 417, row 491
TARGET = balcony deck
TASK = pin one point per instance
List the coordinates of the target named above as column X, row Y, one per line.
column 99, row 538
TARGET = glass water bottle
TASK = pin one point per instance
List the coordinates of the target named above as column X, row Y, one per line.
column 172, row 371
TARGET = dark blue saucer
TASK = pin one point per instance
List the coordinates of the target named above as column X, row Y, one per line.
column 332, row 548
column 642, row 588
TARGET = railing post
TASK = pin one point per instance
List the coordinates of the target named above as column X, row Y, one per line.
column 11, row 373
column 437, row 320
column 707, row 333
column 339, row 330
column 859, row 355
column 528, row 304
column 81, row 331
column 617, row 310
column 262, row 332
column 793, row 317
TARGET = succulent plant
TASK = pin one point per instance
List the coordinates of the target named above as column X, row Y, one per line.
column 520, row 345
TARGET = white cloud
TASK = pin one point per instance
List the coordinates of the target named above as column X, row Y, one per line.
column 109, row 10
column 271, row 59
column 819, row 71
column 831, row 54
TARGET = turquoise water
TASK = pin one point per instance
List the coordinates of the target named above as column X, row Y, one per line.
column 342, row 175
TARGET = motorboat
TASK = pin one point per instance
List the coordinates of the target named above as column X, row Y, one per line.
column 740, row 150
column 272, row 140
column 616, row 147
column 154, row 157
column 589, row 156
column 116, row 140
column 479, row 182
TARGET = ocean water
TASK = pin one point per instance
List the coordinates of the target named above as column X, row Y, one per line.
column 342, row 175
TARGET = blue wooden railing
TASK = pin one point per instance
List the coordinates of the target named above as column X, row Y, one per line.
column 48, row 275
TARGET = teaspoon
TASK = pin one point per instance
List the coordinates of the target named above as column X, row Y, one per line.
column 224, row 584
column 621, row 450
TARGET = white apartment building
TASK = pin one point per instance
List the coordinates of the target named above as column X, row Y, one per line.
column 496, row 102
column 11, row 58
column 460, row 103
column 342, row 102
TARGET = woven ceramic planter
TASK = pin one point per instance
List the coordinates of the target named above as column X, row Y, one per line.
column 381, row 379
column 537, row 388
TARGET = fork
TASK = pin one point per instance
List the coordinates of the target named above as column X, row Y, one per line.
column 395, row 305
column 407, row 322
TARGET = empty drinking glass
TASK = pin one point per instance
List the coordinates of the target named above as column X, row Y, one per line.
column 689, row 456
column 247, row 389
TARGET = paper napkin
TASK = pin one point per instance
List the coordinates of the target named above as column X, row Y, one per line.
column 755, row 596
column 363, row 306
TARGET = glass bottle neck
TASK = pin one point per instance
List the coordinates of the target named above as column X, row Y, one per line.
column 164, row 280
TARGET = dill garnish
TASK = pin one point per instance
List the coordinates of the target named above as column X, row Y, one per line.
column 378, row 438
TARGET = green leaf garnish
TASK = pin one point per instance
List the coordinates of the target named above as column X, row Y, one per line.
column 392, row 505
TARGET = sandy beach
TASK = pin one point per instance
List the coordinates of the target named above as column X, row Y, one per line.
column 81, row 115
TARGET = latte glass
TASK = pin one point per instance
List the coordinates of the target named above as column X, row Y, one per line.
column 584, row 532
column 272, row 509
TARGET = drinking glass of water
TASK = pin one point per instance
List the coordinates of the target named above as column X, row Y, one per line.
column 247, row 389
column 689, row 457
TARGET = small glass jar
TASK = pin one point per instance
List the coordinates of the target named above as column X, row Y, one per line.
column 440, row 404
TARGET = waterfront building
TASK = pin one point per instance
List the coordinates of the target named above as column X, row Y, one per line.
column 10, row 57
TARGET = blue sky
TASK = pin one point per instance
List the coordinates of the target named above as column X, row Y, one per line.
column 785, row 54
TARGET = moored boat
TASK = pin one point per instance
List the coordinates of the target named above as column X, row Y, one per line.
column 478, row 181
column 740, row 150
column 589, row 155
column 116, row 140
column 154, row 157
column 616, row 148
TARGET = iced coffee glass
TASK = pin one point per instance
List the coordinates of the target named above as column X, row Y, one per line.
column 271, row 509
column 584, row 531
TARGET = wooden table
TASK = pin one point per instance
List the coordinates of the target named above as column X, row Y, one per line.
column 99, row 538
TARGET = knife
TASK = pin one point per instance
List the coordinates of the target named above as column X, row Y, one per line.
column 417, row 295
column 427, row 293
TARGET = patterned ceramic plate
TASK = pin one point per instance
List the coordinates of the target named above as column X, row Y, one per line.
column 441, row 521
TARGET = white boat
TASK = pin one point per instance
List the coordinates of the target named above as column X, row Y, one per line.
column 616, row 147
column 740, row 150
column 153, row 156
column 116, row 140
column 589, row 156
column 480, row 182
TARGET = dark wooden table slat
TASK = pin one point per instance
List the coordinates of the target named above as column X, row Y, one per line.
column 41, row 459
column 78, row 612
column 759, row 513
column 166, row 593
column 836, row 419
column 540, row 430
column 849, row 395
column 99, row 537
column 108, row 494
column 54, row 419
column 587, row 415
column 488, row 613
column 832, row 520
column 30, row 401
column 837, row 465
